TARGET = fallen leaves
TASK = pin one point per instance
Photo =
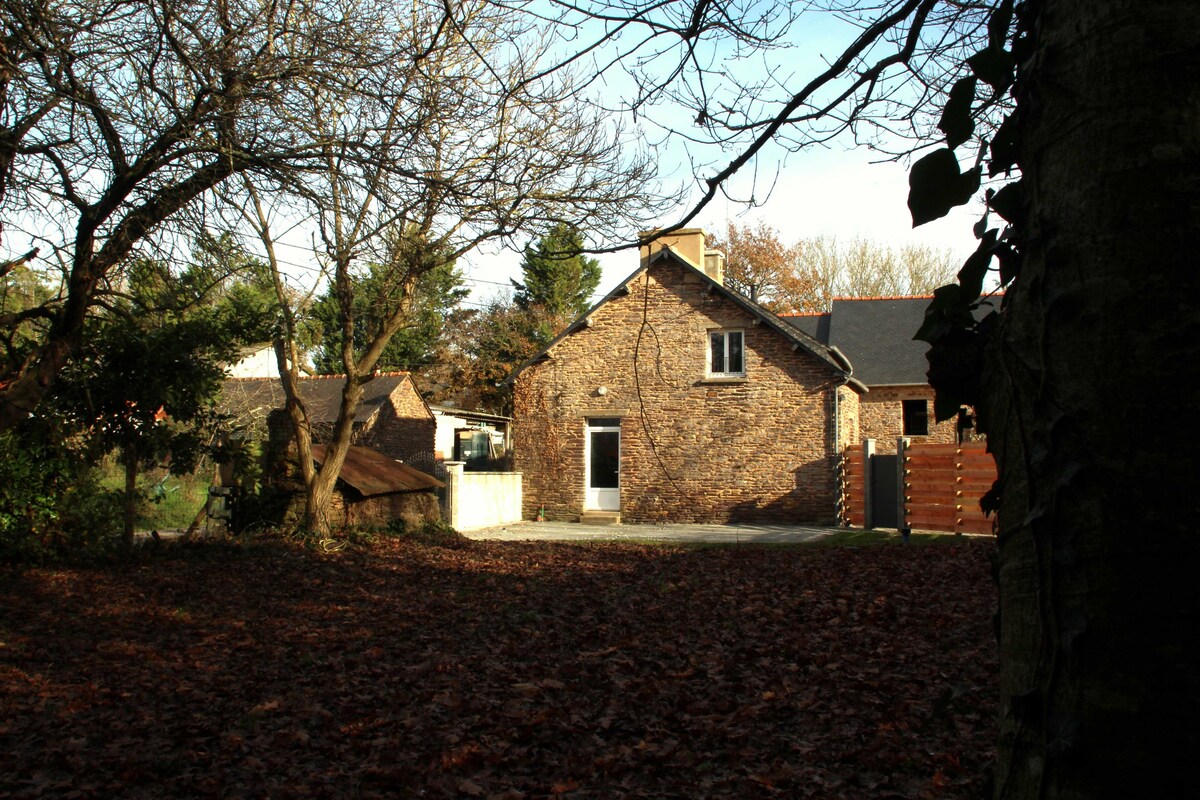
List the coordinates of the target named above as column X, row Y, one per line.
column 503, row 671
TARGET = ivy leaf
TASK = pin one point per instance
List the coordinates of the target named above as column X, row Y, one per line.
column 956, row 367
column 936, row 185
column 1010, row 263
column 944, row 406
column 945, row 311
column 946, row 297
column 981, row 226
column 1004, row 146
column 1009, row 202
column 975, row 269
column 990, row 502
column 932, row 328
column 956, row 121
column 994, row 67
column 999, row 23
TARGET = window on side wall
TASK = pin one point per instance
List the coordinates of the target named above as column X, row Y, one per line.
column 916, row 417
column 726, row 356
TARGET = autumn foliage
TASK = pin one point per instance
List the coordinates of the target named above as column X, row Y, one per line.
column 502, row 671
column 759, row 265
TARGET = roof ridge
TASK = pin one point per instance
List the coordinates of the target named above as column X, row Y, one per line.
column 887, row 297
column 329, row 376
column 392, row 374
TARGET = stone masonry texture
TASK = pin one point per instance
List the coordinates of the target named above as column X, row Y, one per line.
column 881, row 417
column 402, row 428
column 693, row 449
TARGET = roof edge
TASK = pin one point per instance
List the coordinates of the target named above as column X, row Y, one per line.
column 812, row 346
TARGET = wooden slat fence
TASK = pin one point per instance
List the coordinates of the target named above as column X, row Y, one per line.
column 852, row 479
column 943, row 484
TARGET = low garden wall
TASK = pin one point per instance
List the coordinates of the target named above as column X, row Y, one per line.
column 481, row 499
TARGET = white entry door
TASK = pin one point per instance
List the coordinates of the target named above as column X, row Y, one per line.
column 602, row 454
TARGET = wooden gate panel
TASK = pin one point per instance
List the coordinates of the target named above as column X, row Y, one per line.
column 943, row 484
column 853, row 488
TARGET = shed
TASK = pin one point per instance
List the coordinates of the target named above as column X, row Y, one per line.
column 374, row 489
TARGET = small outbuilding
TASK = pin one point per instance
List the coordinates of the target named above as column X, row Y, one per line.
column 392, row 417
column 373, row 489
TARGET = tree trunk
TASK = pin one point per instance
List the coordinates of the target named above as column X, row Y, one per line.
column 131, row 500
column 320, row 488
column 1088, row 387
column 319, row 483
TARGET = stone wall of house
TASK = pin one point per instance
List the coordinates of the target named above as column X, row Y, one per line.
column 848, row 412
column 402, row 429
column 693, row 449
column 881, row 417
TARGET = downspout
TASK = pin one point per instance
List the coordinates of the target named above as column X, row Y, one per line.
column 840, row 357
column 837, row 426
column 837, row 415
column 846, row 379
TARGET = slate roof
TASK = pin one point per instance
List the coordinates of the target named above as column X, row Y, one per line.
column 252, row 398
column 875, row 333
column 372, row 473
column 803, row 340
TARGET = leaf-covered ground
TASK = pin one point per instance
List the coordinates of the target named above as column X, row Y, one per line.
column 503, row 670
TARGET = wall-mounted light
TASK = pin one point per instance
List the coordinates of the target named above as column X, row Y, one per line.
column 603, row 390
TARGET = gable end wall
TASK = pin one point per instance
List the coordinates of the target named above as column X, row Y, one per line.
column 692, row 450
column 402, row 428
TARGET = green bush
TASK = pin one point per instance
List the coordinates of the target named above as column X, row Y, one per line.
column 52, row 505
column 174, row 500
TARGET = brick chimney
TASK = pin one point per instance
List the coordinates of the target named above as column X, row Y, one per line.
column 688, row 244
column 714, row 265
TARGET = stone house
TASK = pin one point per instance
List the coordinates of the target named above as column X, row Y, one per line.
column 876, row 334
column 392, row 417
column 676, row 399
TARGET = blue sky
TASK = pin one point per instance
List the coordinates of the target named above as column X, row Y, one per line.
column 838, row 189
column 837, row 192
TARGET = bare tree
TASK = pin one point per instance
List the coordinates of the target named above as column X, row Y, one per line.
column 119, row 117
column 447, row 138
column 808, row 274
column 865, row 268
column 719, row 81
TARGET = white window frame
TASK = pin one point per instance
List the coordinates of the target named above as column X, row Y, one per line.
column 708, row 347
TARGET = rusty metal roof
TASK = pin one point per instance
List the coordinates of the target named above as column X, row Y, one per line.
column 373, row 473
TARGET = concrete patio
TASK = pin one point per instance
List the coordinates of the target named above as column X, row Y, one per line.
column 576, row 532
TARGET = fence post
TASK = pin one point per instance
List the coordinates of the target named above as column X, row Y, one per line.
column 868, row 450
column 901, row 490
column 454, row 475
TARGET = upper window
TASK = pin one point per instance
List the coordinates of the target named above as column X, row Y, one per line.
column 916, row 417
column 726, row 358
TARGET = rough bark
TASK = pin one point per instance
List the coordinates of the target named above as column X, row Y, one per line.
column 129, row 511
column 1089, row 385
column 324, row 480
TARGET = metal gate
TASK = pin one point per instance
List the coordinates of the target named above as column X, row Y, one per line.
column 885, row 493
